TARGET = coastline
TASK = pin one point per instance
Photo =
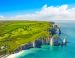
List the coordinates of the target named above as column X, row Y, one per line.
column 14, row 55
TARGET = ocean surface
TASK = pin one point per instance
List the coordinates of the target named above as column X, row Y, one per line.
column 68, row 51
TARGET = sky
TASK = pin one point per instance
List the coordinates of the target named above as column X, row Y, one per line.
column 37, row 9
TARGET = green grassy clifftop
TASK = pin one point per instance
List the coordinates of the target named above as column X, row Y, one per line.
column 15, row 33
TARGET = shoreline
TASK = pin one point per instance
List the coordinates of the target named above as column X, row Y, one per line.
column 15, row 54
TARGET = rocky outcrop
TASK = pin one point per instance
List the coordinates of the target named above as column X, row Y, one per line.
column 37, row 43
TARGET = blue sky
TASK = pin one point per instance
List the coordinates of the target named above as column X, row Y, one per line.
column 37, row 9
column 20, row 6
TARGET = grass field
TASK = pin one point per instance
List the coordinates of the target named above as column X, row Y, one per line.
column 15, row 33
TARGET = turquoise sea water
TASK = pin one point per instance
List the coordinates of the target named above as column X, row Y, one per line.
column 55, row 52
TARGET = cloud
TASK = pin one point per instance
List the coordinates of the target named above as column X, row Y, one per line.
column 1, row 16
column 48, row 13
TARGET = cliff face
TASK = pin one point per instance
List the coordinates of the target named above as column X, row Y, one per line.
column 52, row 39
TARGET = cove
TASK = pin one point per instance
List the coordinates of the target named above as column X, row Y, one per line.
column 47, row 51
